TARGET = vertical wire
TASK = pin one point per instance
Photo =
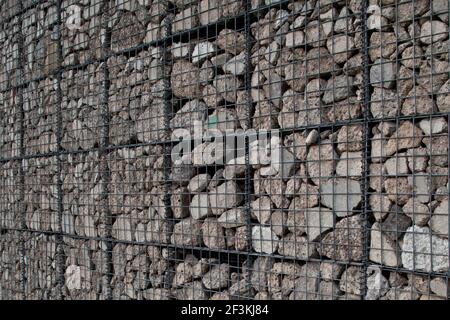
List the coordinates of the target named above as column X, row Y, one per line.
column 167, row 147
column 248, row 108
column 59, row 238
column 20, row 112
column 105, row 216
column 366, row 147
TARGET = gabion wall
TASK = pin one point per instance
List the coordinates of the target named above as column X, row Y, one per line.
column 96, row 96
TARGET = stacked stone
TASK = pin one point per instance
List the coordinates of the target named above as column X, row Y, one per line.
column 10, row 266
column 307, row 65
column 191, row 14
column 40, row 42
column 41, row 197
column 404, row 286
column 312, row 206
column 9, row 49
column 306, row 76
column 136, row 97
column 408, row 57
column 141, row 272
column 207, row 83
column 409, row 198
column 40, row 267
column 10, row 218
column 40, row 117
column 136, row 196
column 81, row 114
column 11, row 8
column 290, row 280
column 137, row 22
column 85, row 275
column 210, row 278
column 11, row 213
column 81, row 196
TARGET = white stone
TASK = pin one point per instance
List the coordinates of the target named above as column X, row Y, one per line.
column 433, row 126
column 73, row 277
column 377, row 284
column 200, row 206
column 264, row 240
column 202, row 51
column 272, row 52
column 376, row 21
column 235, row 65
column 350, row 165
column 233, row 218
column 181, row 50
column 423, row 251
column 199, row 182
column 397, row 165
column 121, row 229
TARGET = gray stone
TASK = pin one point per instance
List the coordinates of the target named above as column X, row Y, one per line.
column 340, row 195
column 352, row 281
column 439, row 220
column 338, row 88
column 433, row 31
column 380, row 205
column 383, row 249
column 225, row 196
column 295, row 39
column 262, row 209
column 396, row 165
column 213, row 234
column 296, row 246
column 440, row 287
column 217, row 277
column 321, row 161
column 383, row 103
column 186, row 19
column 407, row 136
column 383, row 73
column 417, row 211
column 341, row 47
column 317, row 222
column 184, row 80
column 417, row 159
column 420, row 184
column 199, row 182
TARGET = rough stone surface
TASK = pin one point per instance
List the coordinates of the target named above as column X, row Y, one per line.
column 340, row 195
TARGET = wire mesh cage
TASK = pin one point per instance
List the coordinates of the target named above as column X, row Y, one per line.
column 224, row 149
